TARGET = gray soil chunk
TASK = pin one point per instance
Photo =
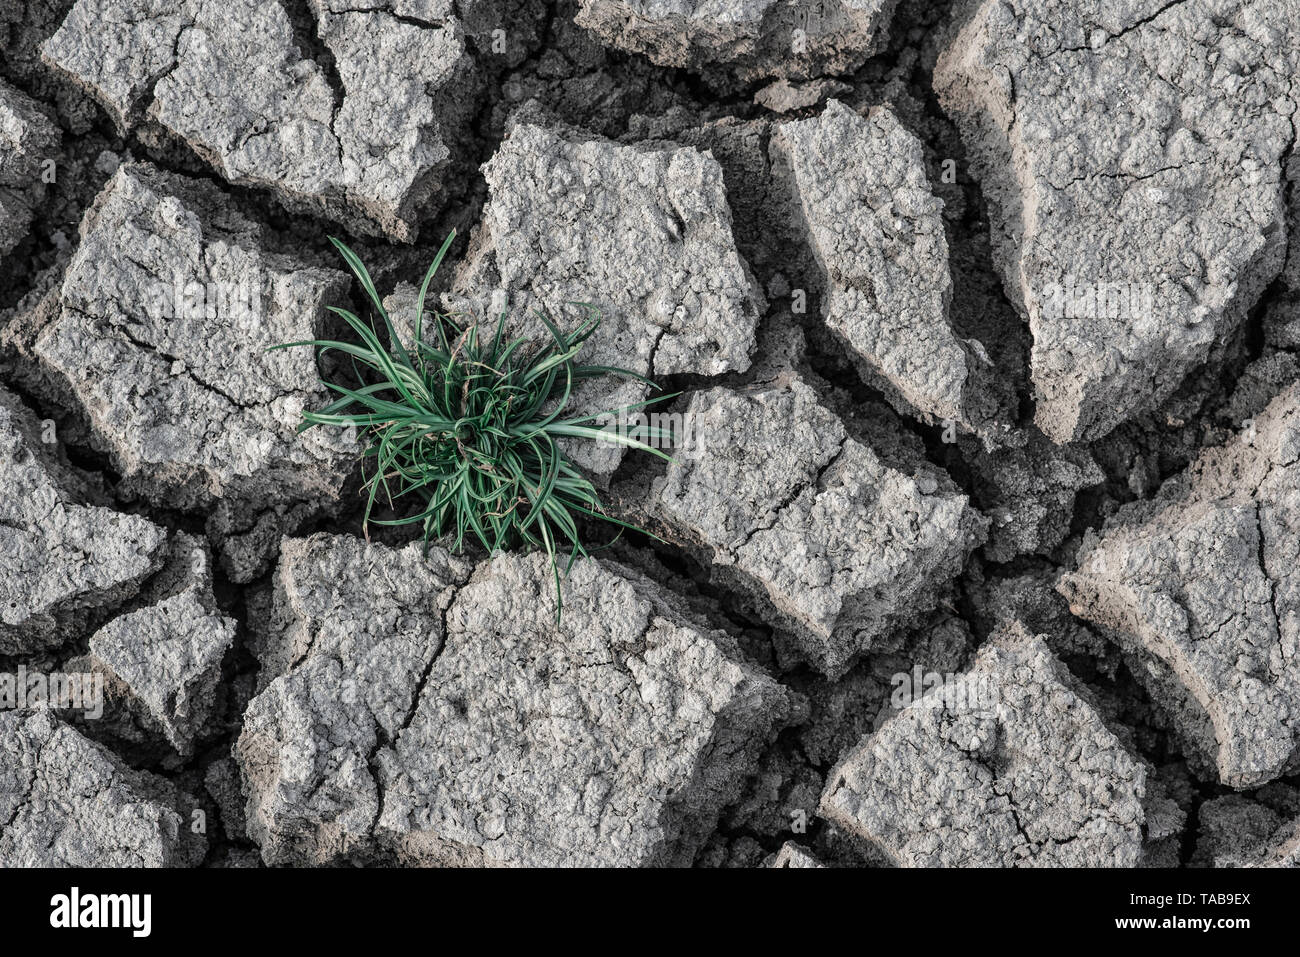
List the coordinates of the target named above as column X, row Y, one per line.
column 641, row 234
column 1236, row 831
column 352, row 630
column 1199, row 585
column 613, row 738
column 1008, row 765
column 159, row 334
column 67, row 802
column 169, row 653
column 842, row 546
column 1029, row 492
column 499, row 736
column 786, row 97
column 365, row 142
column 857, row 185
column 1132, row 157
column 754, row 38
column 28, row 139
column 118, row 49
column 59, row 557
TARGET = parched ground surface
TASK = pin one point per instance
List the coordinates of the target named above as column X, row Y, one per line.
column 985, row 320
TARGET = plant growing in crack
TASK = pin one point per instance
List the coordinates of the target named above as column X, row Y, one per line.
column 470, row 425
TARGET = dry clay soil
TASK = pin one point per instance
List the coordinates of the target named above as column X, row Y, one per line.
column 985, row 320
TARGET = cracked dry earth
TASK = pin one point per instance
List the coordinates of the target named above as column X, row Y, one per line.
column 986, row 315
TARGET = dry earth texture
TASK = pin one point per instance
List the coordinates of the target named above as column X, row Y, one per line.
column 978, row 546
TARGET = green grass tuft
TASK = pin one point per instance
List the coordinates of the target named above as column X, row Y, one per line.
column 468, row 427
